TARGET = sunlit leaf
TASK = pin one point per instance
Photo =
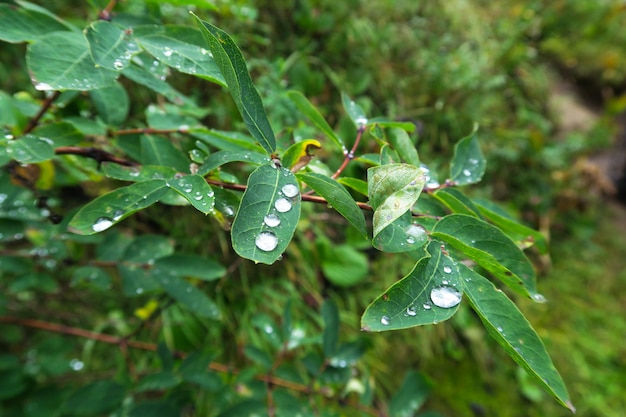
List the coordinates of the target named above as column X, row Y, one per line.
column 338, row 197
column 468, row 163
column 309, row 110
column 430, row 294
column 111, row 208
column 231, row 63
column 508, row 326
column 490, row 248
column 268, row 214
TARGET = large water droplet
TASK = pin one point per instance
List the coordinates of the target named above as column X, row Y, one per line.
column 447, row 269
column 384, row 320
column 167, row 51
column 414, row 233
column 102, row 224
column 266, row 241
column 445, row 297
column 539, row 298
column 271, row 220
column 282, row 205
column 290, row 190
column 467, row 172
column 118, row 65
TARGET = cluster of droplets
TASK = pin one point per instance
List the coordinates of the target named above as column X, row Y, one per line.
column 431, row 180
column 267, row 240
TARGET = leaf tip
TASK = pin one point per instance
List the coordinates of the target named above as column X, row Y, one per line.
column 571, row 407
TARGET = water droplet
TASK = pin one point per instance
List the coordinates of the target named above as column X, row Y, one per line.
column 266, row 241
column 271, row 220
column 268, row 329
column 139, row 290
column 410, row 311
column 290, row 190
column 102, row 224
column 167, row 51
column 118, row 65
column 282, row 205
column 445, row 297
column 117, row 215
column 414, row 233
column 539, row 298
column 384, row 320
column 500, row 329
column 43, row 87
column 197, row 196
column 447, row 269
column 76, row 365
column 229, row 211
column 467, row 172
column 426, row 306
column 361, row 121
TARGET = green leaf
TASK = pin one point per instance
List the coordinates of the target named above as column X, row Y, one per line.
column 187, row 295
column 22, row 25
column 74, row 69
column 523, row 236
column 508, row 326
column 268, row 214
column 402, row 143
column 191, row 266
column 158, row 382
column 61, row 133
column 393, row 190
column 384, row 122
column 456, row 201
column 110, row 46
column 468, row 163
column 220, row 158
column 142, row 76
column 310, row 111
column 411, row 395
column 157, row 150
column 490, row 248
column 228, row 141
column 138, row 173
column 91, row 275
column 112, row 103
column 259, row 357
column 330, row 315
column 154, row 409
column 343, row 265
column 194, row 189
column 403, row 235
column 337, row 197
column 354, row 111
column 429, row 294
column 356, row 184
column 94, row 399
column 113, row 207
column 30, row 149
column 179, row 47
column 233, row 66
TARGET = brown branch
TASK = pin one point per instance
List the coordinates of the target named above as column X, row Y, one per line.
column 32, row 123
column 105, row 14
column 349, row 155
column 94, row 153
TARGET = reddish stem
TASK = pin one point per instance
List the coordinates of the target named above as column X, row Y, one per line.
column 44, row 108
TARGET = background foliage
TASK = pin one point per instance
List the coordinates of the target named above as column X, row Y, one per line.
column 440, row 68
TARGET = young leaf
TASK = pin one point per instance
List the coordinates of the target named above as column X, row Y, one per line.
column 456, row 201
column 195, row 190
column 310, row 111
column 354, row 111
column 490, row 248
column 220, row 158
column 179, row 47
column 110, row 46
column 402, row 143
column 233, row 67
column 30, row 149
column 430, row 294
column 338, row 197
column 468, row 163
column 268, row 214
column 298, row 155
column 111, row 208
column 393, row 189
column 74, row 69
column 508, row 326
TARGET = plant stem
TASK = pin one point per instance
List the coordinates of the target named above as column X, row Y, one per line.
column 44, row 108
column 94, row 153
column 349, row 156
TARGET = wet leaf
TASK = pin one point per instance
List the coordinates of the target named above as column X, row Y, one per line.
column 112, row 103
column 353, row 110
column 187, row 295
column 23, row 25
column 393, row 190
column 268, row 214
column 490, row 248
column 508, row 326
column 138, row 173
column 111, row 208
column 231, row 63
column 110, row 46
column 457, row 202
column 220, row 158
column 60, row 133
column 195, row 190
column 30, row 149
column 403, row 235
column 310, row 111
column 417, row 299
column 337, row 197
column 468, row 163
column 142, row 76
column 402, row 143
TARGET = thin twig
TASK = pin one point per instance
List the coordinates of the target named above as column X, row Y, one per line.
column 32, row 123
column 349, row 156
column 105, row 14
column 148, row 131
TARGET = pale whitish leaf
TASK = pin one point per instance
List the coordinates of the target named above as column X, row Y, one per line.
column 393, row 190
column 268, row 214
column 417, row 298
column 74, row 69
column 490, row 248
column 111, row 208
column 508, row 326
column 233, row 67
column 338, row 197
